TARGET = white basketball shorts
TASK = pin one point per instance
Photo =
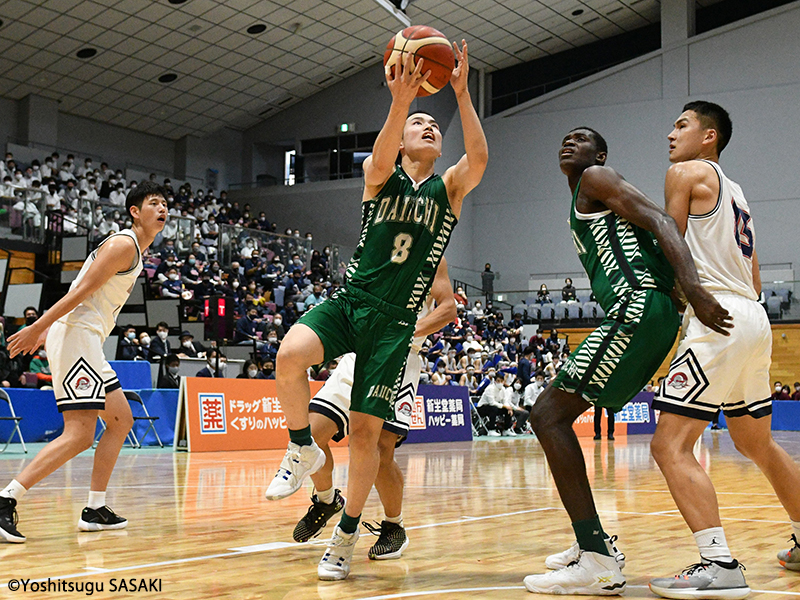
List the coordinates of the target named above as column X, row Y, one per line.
column 711, row 371
column 81, row 374
column 333, row 400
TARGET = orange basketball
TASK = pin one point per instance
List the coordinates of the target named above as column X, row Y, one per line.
column 426, row 43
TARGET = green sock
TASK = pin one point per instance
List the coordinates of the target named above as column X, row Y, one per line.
column 301, row 437
column 590, row 536
column 349, row 524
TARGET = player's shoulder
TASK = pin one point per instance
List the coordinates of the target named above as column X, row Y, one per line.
column 690, row 171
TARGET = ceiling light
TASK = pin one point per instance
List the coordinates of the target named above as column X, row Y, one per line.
column 577, row 12
column 86, row 53
column 398, row 14
column 168, row 78
column 177, row 1
column 257, row 28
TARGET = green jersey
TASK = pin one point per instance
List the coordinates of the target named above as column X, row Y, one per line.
column 405, row 229
column 618, row 256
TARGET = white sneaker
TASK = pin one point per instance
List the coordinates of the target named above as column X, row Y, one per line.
column 562, row 559
column 591, row 575
column 335, row 563
column 298, row 463
column 493, row 433
column 510, row 433
column 713, row 580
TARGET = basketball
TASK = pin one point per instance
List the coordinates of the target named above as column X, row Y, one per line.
column 426, row 43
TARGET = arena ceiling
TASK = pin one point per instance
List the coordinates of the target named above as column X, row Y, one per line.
column 229, row 77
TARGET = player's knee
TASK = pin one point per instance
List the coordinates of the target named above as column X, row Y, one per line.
column 290, row 356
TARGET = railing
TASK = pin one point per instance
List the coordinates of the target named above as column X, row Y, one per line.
column 23, row 212
column 233, row 239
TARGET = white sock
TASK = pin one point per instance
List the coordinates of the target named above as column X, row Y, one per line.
column 712, row 544
column 96, row 499
column 14, row 490
column 795, row 528
column 398, row 520
column 326, row 496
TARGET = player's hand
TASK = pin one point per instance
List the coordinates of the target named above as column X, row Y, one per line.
column 461, row 73
column 712, row 314
column 28, row 340
column 406, row 80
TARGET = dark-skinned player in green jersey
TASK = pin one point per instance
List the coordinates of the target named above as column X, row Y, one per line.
column 633, row 252
column 408, row 214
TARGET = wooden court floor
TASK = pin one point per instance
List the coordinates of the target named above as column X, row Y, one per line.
column 480, row 516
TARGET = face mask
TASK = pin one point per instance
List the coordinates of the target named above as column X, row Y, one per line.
column 131, row 336
column 173, row 370
column 43, row 355
column 145, row 341
column 252, row 372
column 173, row 276
column 191, row 261
column 498, row 385
column 777, row 388
column 309, row 238
column 235, row 284
column 187, row 344
column 162, row 335
column 440, row 369
column 170, row 263
column 272, row 340
column 278, row 321
column 267, row 372
column 517, row 386
column 30, row 320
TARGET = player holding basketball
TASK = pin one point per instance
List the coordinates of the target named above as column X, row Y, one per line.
column 330, row 415
column 632, row 251
column 85, row 385
column 408, row 216
column 712, row 372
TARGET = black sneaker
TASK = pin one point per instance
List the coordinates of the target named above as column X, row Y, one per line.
column 100, row 519
column 392, row 540
column 8, row 521
column 317, row 517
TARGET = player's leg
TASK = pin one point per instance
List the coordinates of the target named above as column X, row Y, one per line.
column 323, row 430
column 300, row 349
column 96, row 516
column 392, row 538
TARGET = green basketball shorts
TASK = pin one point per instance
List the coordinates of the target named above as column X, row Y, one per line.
column 380, row 334
column 619, row 358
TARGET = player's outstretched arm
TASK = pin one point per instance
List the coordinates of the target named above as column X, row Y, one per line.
column 607, row 186
column 116, row 255
column 465, row 175
column 403, row 85
column 445, row 311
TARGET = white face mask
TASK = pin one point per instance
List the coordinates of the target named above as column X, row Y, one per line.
column 252, row 373
column 145, row 341
column 187, row 344
column 278, row 321
column 440, row 369
column 162, row 335
column 777, row 388
column 499, row 386
column 272, row 340
column 517, row 386
column 173, row 276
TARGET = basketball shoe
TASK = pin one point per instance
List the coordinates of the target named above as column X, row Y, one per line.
column 790, row 558
column 8, row 521
column 707, row 579
column 562, row 559
column 298, row 463
column 335, row 563
column 317, row 517
column 592, row 574
column 100, row 519
column 392, row 540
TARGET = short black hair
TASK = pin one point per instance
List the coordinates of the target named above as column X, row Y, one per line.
column 170, row 359
column 162, row 324
column 599, row 141
column 137, row 195
column 713, row 116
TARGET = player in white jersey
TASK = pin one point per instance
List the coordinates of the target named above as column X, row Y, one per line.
column 330, row 418
column 85, row 384
column 712, row 372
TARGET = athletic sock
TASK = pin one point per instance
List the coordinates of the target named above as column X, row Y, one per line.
column 326, row 496
column 349, row 524
column 712, row 544
column 96, row 499
column 795, row 528
column 590, row 536
column 398, row 520
column 14, row 490
column 301, row 437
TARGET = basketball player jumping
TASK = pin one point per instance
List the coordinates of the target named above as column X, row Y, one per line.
column 330, row 417
column 632, row 251
column 408, row 216
column 85, row 385
column 712, row 372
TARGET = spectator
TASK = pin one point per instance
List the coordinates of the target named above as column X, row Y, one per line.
column 31, row 316
column 543, row 296
column 250, row 370
column 439, row 377
column 533, row 391
column 779, row 394
column 324, row 374
column 487, row 280
column 269, row 351
column 172, row 286
column 268, row 369
column 40, row 366
column 568, row 292
column 796, row 395
column 316, row 296
column 144, row 347
column 189, row 348
column 513, row 399
column 246, row 327
column 470, row 380
column 216, row 365
column 288, row 314
column 492, row 406
column 169, row 378
column 160, row 346
column 525, row 367
column 598, row 419
column 128, row 344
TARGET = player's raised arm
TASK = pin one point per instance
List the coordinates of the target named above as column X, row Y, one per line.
column 403, row 84
column 445, row 311
column 465, row 175
column 607, row 186
column 117, row 254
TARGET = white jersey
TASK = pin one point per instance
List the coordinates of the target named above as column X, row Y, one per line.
column 427, row 308
column 723, row 242
column 99, row 311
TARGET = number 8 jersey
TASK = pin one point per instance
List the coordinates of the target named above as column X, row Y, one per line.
column 723, row 241
column 405, row 229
